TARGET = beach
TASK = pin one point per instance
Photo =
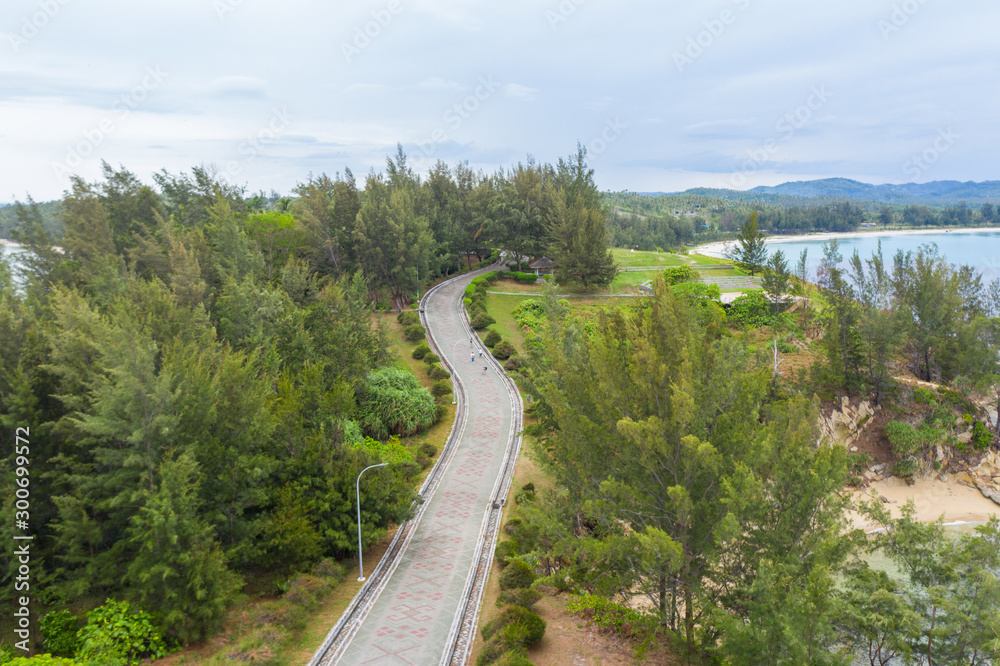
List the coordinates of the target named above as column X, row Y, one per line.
column 934, row 498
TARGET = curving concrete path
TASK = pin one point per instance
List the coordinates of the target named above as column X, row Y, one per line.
column 416, row 615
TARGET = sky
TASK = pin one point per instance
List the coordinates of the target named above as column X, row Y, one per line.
column 664, row 95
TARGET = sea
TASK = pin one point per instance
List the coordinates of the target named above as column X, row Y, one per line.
column 979, row 249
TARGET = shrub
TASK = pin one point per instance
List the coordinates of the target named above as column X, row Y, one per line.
column 505, row 550
column 441, row 388
column 752, row 309
column 481, row 320
column 414, row 332
column 607, row 614
column 408, row 317
column 981, row 436
column 905, row 439
column 420, row 351
column 431, row 358
column 329, row 569
column 905, row 468
column 676, row 274
column 59, row 629
column 41, row 660
column 470, row 289
column 512, row 364
column 517, row 573
column 523, row 278
column 523, row 597
column 503, row 350
column 437, row 372
column 467, row 302
column 393, row 402
column 923, row 396
column 491, row 339
column 118, row 633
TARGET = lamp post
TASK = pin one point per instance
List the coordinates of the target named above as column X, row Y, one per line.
column 357, row 487
column 454, row 369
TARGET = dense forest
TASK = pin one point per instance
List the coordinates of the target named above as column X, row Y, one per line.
column 199, row 378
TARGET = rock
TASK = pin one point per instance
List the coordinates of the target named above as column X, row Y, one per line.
column 854, row 448
column 938, row 453
column 989, row 491
column 845, row 403
column 965, row 437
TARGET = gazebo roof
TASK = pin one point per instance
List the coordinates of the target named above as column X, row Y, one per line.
column 543, row 262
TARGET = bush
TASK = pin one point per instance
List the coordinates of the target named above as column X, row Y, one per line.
column 505, row 550
column 408, row 317
column 392, row 401
column 431, row 358
column 608, row 615
column 512, row 364
column 981, row 436
column 491, row 339
column 470, row 289
column 523, row 597
column 503, row 350
column 523, row 278
column 481, row 320
column 40, row 660
column 676, row 274
column 437, row 372
column 441, row 388
column 752, row 309
column 905, row 439
column 59, row 629
column 517, row 573
column 118, row 633
column 905, row 468
column 421, row 350
column 414, row 332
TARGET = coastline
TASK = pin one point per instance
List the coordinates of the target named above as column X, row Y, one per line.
column 934, row 498
column 717, row 249
column 7, row 243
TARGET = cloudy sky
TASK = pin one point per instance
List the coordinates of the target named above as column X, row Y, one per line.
column 665, row 95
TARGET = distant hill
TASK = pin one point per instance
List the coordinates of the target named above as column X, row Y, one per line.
column 934, row 193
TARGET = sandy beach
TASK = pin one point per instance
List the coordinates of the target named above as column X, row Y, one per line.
column 934, row 498
column 4, row 241
column 718, row 248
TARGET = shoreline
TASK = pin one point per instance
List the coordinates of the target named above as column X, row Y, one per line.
column 717, row 248
column 934, row 498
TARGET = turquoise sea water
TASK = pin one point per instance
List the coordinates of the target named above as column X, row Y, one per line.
column 979, row 249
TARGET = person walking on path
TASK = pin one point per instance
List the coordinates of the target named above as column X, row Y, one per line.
column 480, row 352
column 473, row 357
column 485, row 368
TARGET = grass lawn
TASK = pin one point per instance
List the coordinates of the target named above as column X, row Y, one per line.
column 628, row 283
column 500, row 308
column 625, row 257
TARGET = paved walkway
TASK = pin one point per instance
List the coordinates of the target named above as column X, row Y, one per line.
column 412, row 618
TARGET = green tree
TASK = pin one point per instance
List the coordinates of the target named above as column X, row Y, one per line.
column 775, row 281
column 578, row 243
column 750, row 249
column 178, row 568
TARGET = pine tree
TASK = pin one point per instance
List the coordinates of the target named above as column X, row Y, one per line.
column 579, row 243
column 750, row 249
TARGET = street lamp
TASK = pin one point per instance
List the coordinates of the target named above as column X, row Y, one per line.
column 357, row 487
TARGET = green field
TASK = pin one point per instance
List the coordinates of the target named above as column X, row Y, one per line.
column 628, row 258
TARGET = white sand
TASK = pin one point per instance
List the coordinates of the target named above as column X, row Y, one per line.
column 933, row 498
column 718, row 248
